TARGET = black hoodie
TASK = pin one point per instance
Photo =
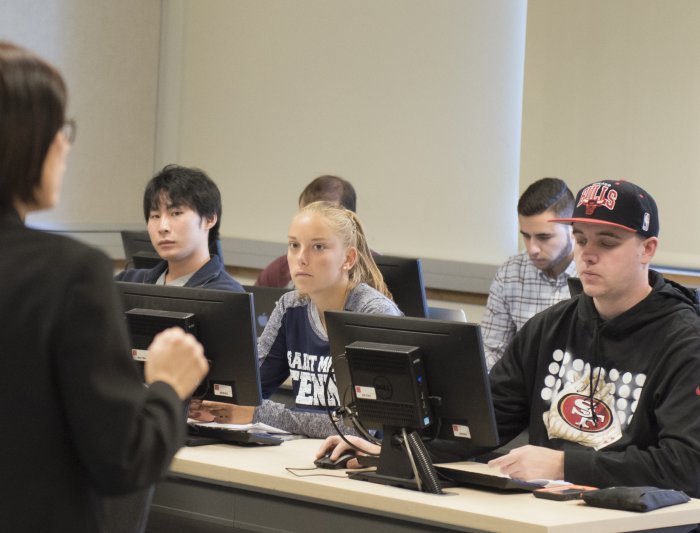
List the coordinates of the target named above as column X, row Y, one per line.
column 645, row 369
column 646, row 429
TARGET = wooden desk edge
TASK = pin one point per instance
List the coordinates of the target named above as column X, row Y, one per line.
column 218, row 469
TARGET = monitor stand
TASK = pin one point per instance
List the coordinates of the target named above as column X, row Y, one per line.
column 394, row 466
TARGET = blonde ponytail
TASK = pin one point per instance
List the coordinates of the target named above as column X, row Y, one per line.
column 348, row 227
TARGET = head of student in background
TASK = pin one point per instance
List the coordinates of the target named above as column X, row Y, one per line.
column 328, row 251
column 616, row 227
column 330, row 189
column 548, row 245
column 182, row 207
column 35, row 136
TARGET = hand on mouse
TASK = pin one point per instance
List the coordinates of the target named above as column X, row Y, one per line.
column 341, row 462
column 335, row 446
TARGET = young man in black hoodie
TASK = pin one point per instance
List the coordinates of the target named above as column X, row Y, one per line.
column 608, row 382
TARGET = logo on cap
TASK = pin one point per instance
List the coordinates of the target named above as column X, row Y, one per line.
column 597, row 195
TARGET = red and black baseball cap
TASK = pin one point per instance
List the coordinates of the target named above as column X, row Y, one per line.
column 616, row 203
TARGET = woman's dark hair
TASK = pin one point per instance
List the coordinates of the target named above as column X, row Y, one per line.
column 185, row 186
column 32, row 111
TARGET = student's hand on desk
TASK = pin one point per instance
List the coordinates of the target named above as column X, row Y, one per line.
column 199, row 413
column 223, row 413
column 531, row 462
column 176, row 358
column 336, row 446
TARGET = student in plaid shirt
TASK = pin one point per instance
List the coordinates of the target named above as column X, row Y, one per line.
column 535, row 279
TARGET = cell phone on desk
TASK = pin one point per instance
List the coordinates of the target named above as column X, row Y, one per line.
column 563, row 492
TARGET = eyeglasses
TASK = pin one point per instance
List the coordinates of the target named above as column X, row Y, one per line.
column 69, row 129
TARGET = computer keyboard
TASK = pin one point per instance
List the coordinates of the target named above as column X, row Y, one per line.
column 478, row 474
column 201, row 435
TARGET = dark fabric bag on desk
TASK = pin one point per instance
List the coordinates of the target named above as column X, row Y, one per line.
column 640, row 499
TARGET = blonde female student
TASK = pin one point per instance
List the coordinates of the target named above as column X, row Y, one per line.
column 332, row 269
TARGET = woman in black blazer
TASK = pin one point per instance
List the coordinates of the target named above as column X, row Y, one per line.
column 80, row 423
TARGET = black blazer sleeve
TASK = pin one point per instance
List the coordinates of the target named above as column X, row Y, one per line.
column 125, row 433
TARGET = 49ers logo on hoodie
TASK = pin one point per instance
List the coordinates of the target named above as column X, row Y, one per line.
column 576, row 410
column 566, row 393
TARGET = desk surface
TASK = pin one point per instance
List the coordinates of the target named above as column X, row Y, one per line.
column 263, row 469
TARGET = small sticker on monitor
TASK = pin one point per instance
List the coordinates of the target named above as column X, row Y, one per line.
column 223, row 390
column 365, row 393
column 139, row 355
column 461, row 431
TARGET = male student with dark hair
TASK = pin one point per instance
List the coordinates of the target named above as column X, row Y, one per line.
column 536, row 278
column 324, row 188
column 608, row 382
column 81, row 423
column 182, row 208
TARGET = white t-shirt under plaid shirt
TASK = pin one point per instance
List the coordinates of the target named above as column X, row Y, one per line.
column 519, row 291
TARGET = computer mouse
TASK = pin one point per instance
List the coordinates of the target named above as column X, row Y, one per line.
column 340, row 462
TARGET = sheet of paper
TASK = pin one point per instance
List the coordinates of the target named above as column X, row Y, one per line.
column 240, row 427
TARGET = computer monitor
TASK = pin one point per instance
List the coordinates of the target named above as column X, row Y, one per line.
column 447, row 393
column 265, row 300
column 137, row 242
column 139, row 251
column 404, row 278
column 221, row 320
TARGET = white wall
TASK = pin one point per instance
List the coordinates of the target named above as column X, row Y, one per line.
column 108, row 53
column 417, row 103
column 406, row 98
column 612, row 91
